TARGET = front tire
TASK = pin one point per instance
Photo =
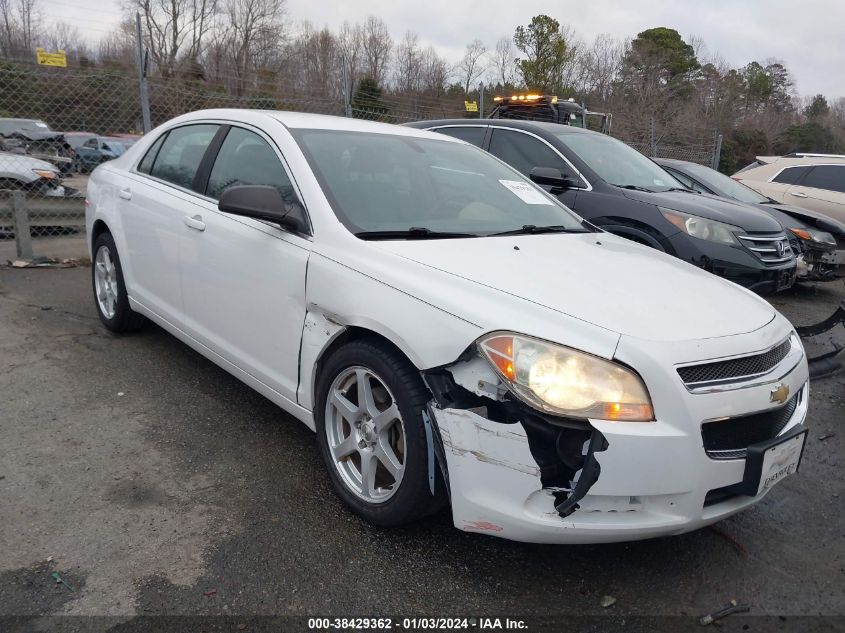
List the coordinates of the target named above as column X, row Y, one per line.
column 110, row 296
column 371, row 434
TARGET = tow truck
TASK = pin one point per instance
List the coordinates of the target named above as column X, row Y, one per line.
column 550, row 108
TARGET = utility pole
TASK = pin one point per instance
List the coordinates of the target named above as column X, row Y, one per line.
column 142, row 76
column 481, row 100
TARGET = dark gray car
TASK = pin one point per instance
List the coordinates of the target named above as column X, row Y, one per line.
column 620, row 190
column 814, row 235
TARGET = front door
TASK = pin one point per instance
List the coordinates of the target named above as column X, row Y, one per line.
column 243, row 280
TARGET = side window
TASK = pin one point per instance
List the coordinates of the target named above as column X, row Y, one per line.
column 470, row 134
column 791, row 175
column 829, row 177
column 686, row 181
column 524, row 152
column 147, row 162
column 247, row 159
column 181, row 153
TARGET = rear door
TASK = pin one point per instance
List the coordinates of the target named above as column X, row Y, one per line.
column 153, row 200
column 243, row 280
column 822, row 189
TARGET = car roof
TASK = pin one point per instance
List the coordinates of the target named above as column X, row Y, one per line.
column 301, row 120
column 808, row 159
column 542, row 127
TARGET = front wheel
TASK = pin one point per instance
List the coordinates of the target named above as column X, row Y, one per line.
column 371, row 434
column 110, row 295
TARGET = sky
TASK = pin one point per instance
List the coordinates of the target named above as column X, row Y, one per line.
column 806, row 36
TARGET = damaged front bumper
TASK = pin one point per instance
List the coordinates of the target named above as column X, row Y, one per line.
column 517, row 474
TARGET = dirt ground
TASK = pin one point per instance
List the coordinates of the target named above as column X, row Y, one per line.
column 156, row 484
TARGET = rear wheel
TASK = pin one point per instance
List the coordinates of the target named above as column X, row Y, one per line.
column 109, row 289
column 372, row 439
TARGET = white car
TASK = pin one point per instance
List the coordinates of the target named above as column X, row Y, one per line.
column 451, row 331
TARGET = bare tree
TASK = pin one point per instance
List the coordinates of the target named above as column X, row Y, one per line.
column 174, row 29
column 377, row 45
column 19, row 26
column 472, row 64
column 62, row 36
column 408, row 71
column 504, row 62
column 603, row 62
column 255, row 27
column 350, row 43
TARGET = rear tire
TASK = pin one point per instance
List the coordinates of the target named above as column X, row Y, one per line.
column 385, row 430
column 110, row 296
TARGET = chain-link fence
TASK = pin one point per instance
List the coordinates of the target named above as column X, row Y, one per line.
column 58, row 124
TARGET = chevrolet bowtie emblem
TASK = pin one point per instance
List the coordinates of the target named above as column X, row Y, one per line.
column 779, row 393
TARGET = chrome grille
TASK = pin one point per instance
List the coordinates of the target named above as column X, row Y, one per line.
column 736, row 368
column 730, row 439
column 772, row 249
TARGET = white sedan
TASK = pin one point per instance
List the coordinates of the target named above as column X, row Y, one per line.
column 451, row 332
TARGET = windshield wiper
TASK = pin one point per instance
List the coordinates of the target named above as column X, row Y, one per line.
column 684, row 189
column 413, row 233
column 635, row 188
column 530, row 229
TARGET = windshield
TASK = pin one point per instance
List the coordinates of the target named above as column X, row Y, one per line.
column 619, row 164
column 725, row 185
column 386, row 182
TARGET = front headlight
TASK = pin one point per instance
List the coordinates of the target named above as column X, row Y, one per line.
column 564, row 381
column 46, row 174
column 702, row 228
column 813, row 235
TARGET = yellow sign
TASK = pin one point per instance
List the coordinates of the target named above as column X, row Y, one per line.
column 471, row 106
column 58, row 59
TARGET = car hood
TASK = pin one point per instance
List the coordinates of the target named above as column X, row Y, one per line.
column 22, row 161
column 595, row 277
column 37, row 135
column 745, row 216
column 810, row 218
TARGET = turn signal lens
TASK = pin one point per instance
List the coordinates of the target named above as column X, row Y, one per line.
column 46, row 174
column 564, row 381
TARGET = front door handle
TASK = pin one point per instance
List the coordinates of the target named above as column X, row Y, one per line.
column 194, row 222
column 125, row 194
column 798, row 194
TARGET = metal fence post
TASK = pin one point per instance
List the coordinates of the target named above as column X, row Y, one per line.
column 652, row 145
column 347, row 88
column 142, row 77
column 23, row 239
column 481, row 100
column 717, row 153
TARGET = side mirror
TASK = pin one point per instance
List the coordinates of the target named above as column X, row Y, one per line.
column 263, row 202
column 552, row 177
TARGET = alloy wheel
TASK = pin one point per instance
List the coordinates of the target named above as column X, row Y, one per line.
column 366, row 434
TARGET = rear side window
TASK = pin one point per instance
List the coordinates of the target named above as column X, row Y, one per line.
column 474, row 134
column 181, row 153
column 147, row 162
column 791, row 175
column 524, row 152
column 247, row 159
column 829, row 177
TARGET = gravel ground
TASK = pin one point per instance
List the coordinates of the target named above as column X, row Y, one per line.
column 157, row 484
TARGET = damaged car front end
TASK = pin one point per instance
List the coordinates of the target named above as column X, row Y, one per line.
column 679, row 456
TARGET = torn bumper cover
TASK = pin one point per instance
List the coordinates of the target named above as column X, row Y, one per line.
column 518, row 474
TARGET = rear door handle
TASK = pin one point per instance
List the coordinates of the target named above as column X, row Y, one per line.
column 194, row 222
column 798, row 194
column 126, row 194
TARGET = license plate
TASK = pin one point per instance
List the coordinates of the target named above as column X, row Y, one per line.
column 769, row 463
column 786, row 278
